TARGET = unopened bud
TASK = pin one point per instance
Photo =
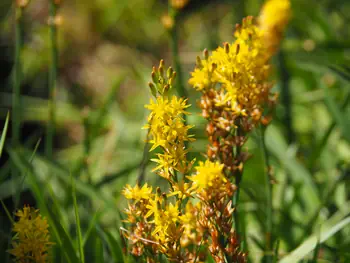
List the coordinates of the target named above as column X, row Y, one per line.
column 169, row 72
column 153, row 89
column 227, row 48
column 166, row 88
column 159, row 192
column 22, row 3
column 154, row 77
column 237, row 49
column 206, row 54
column 199, row 62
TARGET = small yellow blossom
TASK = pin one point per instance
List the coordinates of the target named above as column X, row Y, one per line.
column 208, row 175
column 31, row 242
column 179, row 4
column 137, row 193
column 273, row 19
column 168, row 131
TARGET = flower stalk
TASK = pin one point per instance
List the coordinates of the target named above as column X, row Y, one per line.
column 174, row 11
column 50, row 132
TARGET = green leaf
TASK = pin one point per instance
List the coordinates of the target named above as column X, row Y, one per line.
column 4, row 132
column 310, row 243
column 60, row 235
column 78, row 226
column 340, row 118
column 113, row 244
column 277, row 145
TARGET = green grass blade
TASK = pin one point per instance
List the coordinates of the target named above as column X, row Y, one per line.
column 113, row 244
column 278, row 147
column 339, row 117
column 60, row 235
column 81, row 187
column 91, row 226
column 78, row 226
column 7, row 212
column 4, row 132
column 310, row 244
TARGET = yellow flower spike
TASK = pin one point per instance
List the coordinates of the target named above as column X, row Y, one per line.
column 168, row 131
column 136, row 193
column 209, row 177
column 31, row 241
column 178, row 4
column 273, row 18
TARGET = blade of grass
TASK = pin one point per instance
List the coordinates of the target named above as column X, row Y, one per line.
column 286, row 97
column 339, row 117
column 7, row 212
column 77, row 220
column 58, row 232
column 91, row 226
column 52, row 78
column 278, row 147
column 275, row 257
column 110, row 178
column 113, row 244
column 323, row 142
column 63, row 174
column 16, row 92
column 3, row 134
column 174, row 44
column 310, row 243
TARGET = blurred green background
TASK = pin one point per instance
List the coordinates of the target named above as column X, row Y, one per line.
column 106, row 52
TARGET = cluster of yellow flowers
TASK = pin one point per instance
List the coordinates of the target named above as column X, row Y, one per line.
column 272, row 20
column 197, row 210
column 166, row 125
column 31, row 241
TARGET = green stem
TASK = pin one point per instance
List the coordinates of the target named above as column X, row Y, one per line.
column 16, row 95
column 175, row 52
column 269, row 205
column 144, row 161
column 52, row 81
column 17, row 80
column 323, row 142
column 238, row 179
column 87, row 147
column 16, row 102
column 286, row 96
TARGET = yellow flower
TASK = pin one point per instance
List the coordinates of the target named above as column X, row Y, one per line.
column 182, row 190
column 273, row 19
column 31, row 242
column 168, row 131
column 179, row 4
column 137, row 193
column 201, row 78
column 209, row 175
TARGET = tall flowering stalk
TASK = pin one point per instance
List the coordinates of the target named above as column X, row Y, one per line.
column 54, row 5
column 199, row 207
column 156, row 224
column 236, row 92
column 174, row 223
column 31, row 242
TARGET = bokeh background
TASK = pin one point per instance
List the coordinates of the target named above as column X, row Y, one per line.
column 106, row 52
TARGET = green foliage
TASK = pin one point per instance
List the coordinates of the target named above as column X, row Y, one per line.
column 102, row 87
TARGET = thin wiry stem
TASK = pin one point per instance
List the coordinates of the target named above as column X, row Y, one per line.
column 238, row 179
column 17, row 80
column 16, row 94
column 52, row 80
column 180, row 86
column 269, row 205
column 286, row 97
column 144, row 161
